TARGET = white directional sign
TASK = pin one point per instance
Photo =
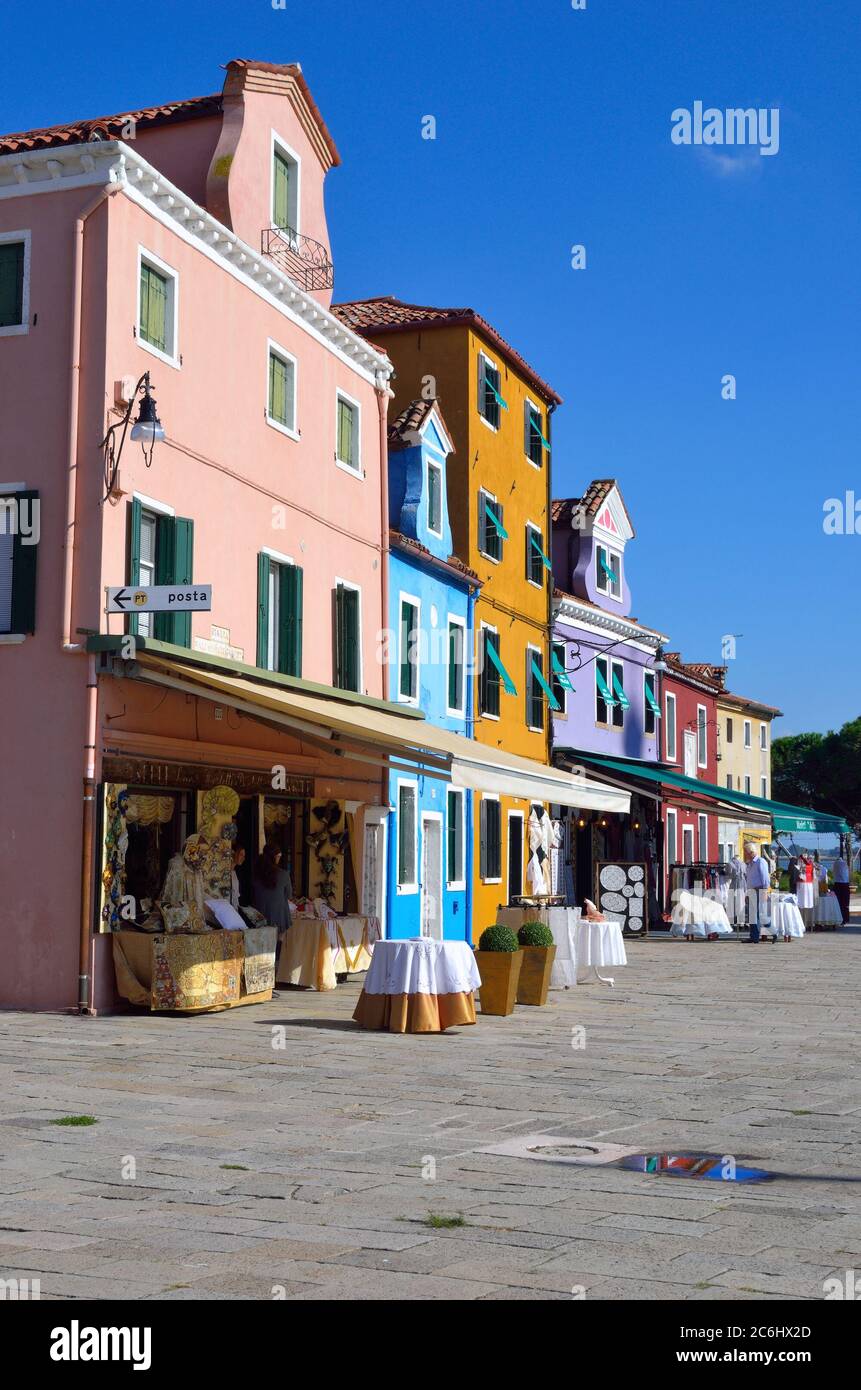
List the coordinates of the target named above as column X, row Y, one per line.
column 160, row 598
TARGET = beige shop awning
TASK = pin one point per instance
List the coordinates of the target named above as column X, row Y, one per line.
column 403, row 740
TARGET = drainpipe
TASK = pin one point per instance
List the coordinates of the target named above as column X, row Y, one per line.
column 384, row 394
column 85, row 1005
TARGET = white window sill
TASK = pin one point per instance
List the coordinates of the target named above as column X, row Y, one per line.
column 14, row 330
column 537, row 466
column 484, row 555
column 406, row 889
column 157, row 352
column 348, row 468
column 494, row 717
column 494, row 429
column 491, row 880
column 12, row 639
column 282, row 429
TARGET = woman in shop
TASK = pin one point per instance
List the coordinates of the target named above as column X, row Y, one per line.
column 273, row 888
column 807, row 890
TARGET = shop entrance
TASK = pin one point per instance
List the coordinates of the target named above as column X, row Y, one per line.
column 515, row 855
column 157, row 823
column 432, row 876
column 285, row 825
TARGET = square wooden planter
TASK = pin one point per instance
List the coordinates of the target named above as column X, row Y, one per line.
column 535, row 971
column 500, row 973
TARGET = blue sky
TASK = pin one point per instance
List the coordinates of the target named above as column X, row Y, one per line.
column 553, row 129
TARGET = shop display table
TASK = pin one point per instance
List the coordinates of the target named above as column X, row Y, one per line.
column 195, row 973
column 783, row 918
column 418, row 986
column 315, row 951
column 826, row 911
column 695, row 915
column 598, row 944
column 562, row 922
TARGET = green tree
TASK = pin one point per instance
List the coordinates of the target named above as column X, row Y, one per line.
column 822, row 771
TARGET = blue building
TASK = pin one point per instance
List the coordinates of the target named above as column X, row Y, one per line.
column 431, row 601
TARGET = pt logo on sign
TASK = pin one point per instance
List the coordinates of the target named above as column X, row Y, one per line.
column 159, row 598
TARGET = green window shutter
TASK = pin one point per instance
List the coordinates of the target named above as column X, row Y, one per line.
column 407, row 668
column 262, row 610
column 345, row 432
column 153, row 325
column 491, row 839
column 174, row 565
column 406, row 835
column 490, row 674
column 290, row 620
column 277, row 389
column 346, row 638
column 456, row 645
column 455, row 838
column 281, row 192
column 434, row 489
column 23, row 607
column 11, row 283
column 135, row 554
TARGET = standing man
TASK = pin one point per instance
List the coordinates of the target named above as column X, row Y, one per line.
column 841, row 885
column 758, row 881
column 793, row 874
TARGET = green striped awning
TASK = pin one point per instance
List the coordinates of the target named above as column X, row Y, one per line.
column 508, row 684
column 546, row 562
column 560, row 673
column 498, row 526
column 551, row 698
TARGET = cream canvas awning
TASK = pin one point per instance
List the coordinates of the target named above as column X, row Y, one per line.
column 370, row 729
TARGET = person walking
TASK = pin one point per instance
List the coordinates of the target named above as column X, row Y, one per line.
column 758, row 881
column 841, row 886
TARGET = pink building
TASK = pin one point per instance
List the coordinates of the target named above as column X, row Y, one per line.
column 188, row 241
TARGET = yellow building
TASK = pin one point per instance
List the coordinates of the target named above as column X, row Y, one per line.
column 744, row 743
column 498, row 411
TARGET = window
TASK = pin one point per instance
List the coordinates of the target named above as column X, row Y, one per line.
column 407, row 832
column 489, row 680
column 747, row 742
column 279, row 615
column 535, row 441
column 534, row 689
column 672, row 852
column 161, row 552
column 491, row 531
column 688, row 844
column 19, row 536
column 747, row 786
column 434, row 498
column 157, row 302
column 763, row 788
column 610, row 698
column 490, row 401
column 14, row 283
column 729, row 780
column 408, row 658
column 670, row 728
column 490, row 866
column 285, row 186
column 702, row 736
column 703, row 839
column 456, row 663
column 347, row 633
column 456, row 827
column 729, row 731
column 608, row 572
column 650, row 706
column 534, row 556
column 347, row 433
column 281, row 401
column 763, row 737
column 557, row 672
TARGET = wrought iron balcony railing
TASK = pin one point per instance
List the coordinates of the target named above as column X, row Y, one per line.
column 305, row 261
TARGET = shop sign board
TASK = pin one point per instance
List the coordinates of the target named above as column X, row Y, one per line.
column 159, row 598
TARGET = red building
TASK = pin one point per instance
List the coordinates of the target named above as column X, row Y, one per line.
column 690, row 747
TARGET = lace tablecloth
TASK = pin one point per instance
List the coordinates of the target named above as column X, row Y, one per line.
column 562, row 922
column 694, row 914
column 599, row 944
column 421, row 966
column 783, row 916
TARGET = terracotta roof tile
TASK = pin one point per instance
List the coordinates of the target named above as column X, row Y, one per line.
column 386, row 314
column 562, row 508
column 694, row 670
column 402, row 542
column 111, row 127
column 403, row 430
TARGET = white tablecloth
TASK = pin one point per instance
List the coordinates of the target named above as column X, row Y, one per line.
column 421, row 966
column 783, row 916
column 599, row 943
column 694, row 914
column 562, row 922
column 827, row 911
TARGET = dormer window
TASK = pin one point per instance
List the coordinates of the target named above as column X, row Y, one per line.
column 434, row 498
column 285, row 186
column 608, row 572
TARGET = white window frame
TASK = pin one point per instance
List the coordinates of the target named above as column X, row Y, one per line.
column 748, row 734
column 13, row 330
column 429, row 464
column 612, row 555
column 349, row 584
column 672, row 858
column 456, row 885
column 454, row 620
column 530, row 405
column 494, row 429
column 703, row 729
column 493, row 796
column 278, row 145
column 669, row 698
column 647, row 676
column 149, row 258
column 405, row 889
column 481, row 713
column 703, row 837
column 689, row 830
column 276, row 350
column 415, row 602
column 539, row 534
column 763, row 738
column 532, row 651
column 279, row 561
column 357, row 471
column 494, row 501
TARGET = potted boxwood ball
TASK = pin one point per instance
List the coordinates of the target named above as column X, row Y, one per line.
column 499, row 959
column 539, row 953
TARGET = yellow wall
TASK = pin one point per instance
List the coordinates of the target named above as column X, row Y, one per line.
column 444, row 362
column 738, row 761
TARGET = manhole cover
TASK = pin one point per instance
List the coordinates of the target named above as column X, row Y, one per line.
column 563, row 1150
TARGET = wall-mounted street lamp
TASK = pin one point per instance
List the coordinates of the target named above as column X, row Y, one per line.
column 147, row 430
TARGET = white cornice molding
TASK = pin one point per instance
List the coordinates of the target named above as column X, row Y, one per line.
column 569, row 610
column 101, row 163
